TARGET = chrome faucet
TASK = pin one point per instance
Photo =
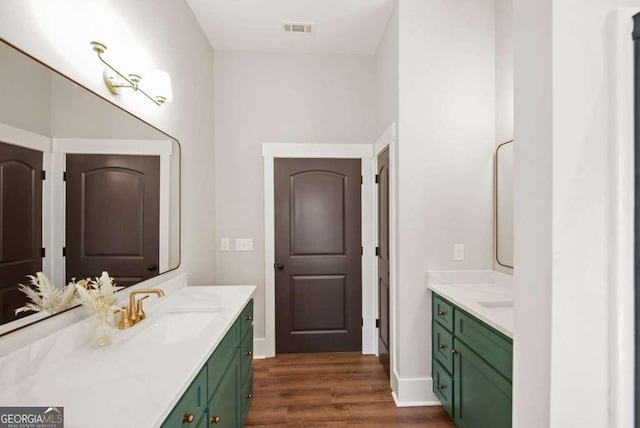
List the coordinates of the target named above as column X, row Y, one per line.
column 133, row 314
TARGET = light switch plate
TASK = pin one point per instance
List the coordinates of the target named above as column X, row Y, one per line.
column 224, row 244
column 244, row 244
column 458, row 252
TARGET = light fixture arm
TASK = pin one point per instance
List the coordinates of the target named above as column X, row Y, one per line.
column 133, row 80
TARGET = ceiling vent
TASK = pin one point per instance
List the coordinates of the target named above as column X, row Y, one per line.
column 298, row 27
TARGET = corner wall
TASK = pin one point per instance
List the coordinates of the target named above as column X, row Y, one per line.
column 446, row 144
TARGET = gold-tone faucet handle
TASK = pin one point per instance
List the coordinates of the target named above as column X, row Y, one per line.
column 124, row 318
column 140, row 309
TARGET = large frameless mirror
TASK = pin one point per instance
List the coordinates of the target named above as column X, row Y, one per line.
column 85, row 187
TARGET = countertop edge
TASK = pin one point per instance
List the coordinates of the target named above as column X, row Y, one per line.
column 441, row 290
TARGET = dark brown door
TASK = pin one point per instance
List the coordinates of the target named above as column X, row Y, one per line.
column 318, row 261
column 20, row 225
column 113, row 204
column 383, row 258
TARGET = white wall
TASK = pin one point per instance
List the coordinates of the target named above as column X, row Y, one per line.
column 58, row 33
column 286, row 98
column 387, row 74
column 446, row 144
column 30, row 108
column 561, row 213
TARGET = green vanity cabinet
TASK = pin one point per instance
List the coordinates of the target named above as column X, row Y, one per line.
column 222, row 392
column 472, row 368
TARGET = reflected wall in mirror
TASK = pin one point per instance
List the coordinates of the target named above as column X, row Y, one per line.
column 85, row 187
column 504, row 204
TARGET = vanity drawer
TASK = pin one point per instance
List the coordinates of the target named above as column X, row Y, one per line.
column 246, row 319
column 442, row 312
column 443, row 386
column 442, row 344
column 192, row 405
column 221, row 357
column 246, row 354
column 493, row 347
column 247, row 395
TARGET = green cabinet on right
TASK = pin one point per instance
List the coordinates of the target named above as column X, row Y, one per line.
column 472, row 368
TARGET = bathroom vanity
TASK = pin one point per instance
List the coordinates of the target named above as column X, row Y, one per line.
column 472, row 346
column 189, row 363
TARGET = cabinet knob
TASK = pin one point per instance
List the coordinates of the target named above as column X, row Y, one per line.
column 188, row 418
column 442, row 313
column 441, row 346
column 248, row 353
column 249, row 318
column 248, row 395
column 454, row 351
column 440, row 386
column 215, row 419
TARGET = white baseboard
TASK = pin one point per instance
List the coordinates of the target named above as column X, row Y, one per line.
column 413, row 392
column 260, row 349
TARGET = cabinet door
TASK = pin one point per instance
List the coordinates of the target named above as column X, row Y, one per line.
column 189, row 410
column 482, row 396
column 224, row 407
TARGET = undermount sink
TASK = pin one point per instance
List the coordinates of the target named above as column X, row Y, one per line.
column 178, row 325
column 498, row 304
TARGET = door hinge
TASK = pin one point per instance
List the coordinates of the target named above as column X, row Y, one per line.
column 362, row 251
column 64, row 176
column 64, row 251
column 377, row 251
column 43, row 175
column 362, row 322
column 377, row 179
column 361, row 179
column 43, row 252
column 378, row 323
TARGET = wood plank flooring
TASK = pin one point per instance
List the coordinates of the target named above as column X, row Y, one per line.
column 331, row 390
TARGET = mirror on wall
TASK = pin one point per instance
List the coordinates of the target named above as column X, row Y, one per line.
column 504, row 204
column 85, row 187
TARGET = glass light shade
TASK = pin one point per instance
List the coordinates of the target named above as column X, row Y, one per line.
column 158, row 83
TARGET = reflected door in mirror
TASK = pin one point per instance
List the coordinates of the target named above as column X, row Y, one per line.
column 112, row 216
column 20, row 224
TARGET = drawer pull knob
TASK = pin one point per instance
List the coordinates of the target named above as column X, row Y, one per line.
column 440, row 386
column 454, row 351
column 248, row 353
column 188, row 418
column 442, row 313
column 441, row 346
column 248, row 395
column 215, row 419
column 249, row 318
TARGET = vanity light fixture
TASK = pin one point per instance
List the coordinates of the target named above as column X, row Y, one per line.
column 159, row 81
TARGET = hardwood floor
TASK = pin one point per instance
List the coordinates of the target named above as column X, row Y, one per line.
column 331, row 390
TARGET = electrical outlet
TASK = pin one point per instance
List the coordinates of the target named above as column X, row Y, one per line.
column 224, row 244
column 244, row 244
column 458, row 252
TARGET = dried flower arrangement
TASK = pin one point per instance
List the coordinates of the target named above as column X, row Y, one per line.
column 46, row 297
column 98, row 294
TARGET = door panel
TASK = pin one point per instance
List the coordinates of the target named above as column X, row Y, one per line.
column 20, row 224
column 383, row 259
column 113, row 204
column 482, row 396
column 318, row 239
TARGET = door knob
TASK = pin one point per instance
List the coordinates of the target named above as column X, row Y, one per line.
column 152, row 268
column 280, row 266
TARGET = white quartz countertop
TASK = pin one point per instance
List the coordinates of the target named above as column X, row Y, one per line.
column 487, row 295
column 131, row 384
